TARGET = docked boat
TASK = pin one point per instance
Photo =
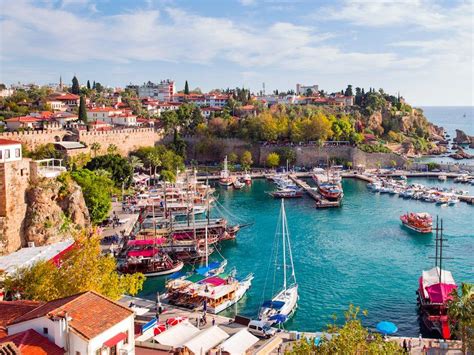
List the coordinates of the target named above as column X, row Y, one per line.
column 282, row 306
column 225, row 178
column 442, row 177
column 149, row 262
column 330, row 191
column 434, row 291
column 287, row 193
column 247, row 178
column 238, row 185
column 418, row 222
column 209, row 287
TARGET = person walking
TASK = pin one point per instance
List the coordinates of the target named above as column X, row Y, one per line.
column 409, row 346
column 405, row 346
column 420, row 338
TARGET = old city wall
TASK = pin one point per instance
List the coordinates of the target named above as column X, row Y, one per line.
column 14, row 181
column 209, row 150
column 126, row 140
column 204, row 150
column 33, row 139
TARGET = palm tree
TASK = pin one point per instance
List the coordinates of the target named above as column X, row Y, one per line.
column 154, row 162
column 461, row 314
column 112, row 149
column 135, row 162
column 95, row 147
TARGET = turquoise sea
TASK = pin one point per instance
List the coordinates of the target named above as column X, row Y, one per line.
column 356, row 254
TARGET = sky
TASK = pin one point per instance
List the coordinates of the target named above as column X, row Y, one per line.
column 421, row 49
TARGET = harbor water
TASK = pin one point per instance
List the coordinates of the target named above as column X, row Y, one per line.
column 357, row 254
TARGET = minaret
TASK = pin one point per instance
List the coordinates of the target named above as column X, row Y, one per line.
column 60, row 82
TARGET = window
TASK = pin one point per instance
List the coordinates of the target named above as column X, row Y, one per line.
column 98, row 351
column 78, row 353
column 45, row 331
column 7, row 153
column 17, row 152
column 1, row 154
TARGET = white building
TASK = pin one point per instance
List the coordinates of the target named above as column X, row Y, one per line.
column 303, row 89
column 112, row 116
column 9, row 150
column 162, row 91
column 85, row 323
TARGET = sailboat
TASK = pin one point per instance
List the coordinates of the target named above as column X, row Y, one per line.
column 281, row 307
column 209, row 287
column 225, row 179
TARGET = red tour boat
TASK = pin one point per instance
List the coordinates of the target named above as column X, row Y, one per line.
column 418, row 222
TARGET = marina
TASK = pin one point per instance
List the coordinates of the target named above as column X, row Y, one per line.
column 323, row 248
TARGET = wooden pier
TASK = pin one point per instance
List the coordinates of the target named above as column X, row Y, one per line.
column 313, row 193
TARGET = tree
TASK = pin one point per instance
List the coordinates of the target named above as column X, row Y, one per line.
column 246, row 160
column 88, row 85
column 75, row 88
column 95, row 147
column 112, row 149
column 83, row 268
column 97, row 191
column 351, row 338
column 135, row 162
column 82, row 110
column 178, row 144
column 461, row 315
column 121, row 171
column 186, row 88
column 348, row 91
column 273, row 160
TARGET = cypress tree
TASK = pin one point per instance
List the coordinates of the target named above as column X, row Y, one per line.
column 75, row 89
column 82, row 110
column 88, row 85
column 186, row 88
column 93, row 85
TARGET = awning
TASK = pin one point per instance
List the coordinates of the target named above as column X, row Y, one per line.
column 115, row 340
column 440, row 293
column 239, row 343
column 142, row 253
column 216, row 281
column 146, row 241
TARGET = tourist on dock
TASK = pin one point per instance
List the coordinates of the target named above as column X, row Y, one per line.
column 420, row 338
column 409, row 346
column 213, row 321
column 405, row 346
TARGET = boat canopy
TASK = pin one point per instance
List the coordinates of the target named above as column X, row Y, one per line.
column 146, row 241
column 216, row 292
column 273, row 304
column 203, row 270
column 216, row 281
column 440, row 293
column 143, row 253
column 431, row 277
column 195, row 278
column 176, row 275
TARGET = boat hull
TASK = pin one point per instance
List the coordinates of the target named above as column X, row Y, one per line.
column 290, row 299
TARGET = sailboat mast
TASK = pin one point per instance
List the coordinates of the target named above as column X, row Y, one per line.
column 283, row 223
column 441, row 253
column 436, row 243
column 207, row 251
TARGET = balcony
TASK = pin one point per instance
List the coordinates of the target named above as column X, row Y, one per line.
column 50, row 168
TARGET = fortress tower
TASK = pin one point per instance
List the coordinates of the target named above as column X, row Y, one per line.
column 14, row 180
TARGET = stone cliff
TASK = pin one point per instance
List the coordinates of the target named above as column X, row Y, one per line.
column 463, row 138
column 56, row 208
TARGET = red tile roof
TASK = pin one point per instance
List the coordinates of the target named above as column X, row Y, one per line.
column 9, row 310
column 8, row 142
column 31, row 342
column 23, row 119
column 66, row 97
column 101, row 109
column 91, row 313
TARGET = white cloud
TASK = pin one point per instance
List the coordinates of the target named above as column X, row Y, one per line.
column 248, row 2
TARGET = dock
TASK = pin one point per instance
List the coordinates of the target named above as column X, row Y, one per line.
column 313, row 193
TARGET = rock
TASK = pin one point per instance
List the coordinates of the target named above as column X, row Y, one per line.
column 463, row 138
column 461, row 154
column 55, row 210
column 437, row 150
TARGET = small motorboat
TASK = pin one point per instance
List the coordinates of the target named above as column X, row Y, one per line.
column 238, row 184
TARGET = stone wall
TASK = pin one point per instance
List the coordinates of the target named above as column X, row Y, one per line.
column 306, row 155
column 32, row 139
column 126, row 140
column 14, row 181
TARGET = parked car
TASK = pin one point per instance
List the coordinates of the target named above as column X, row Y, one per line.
column 261, row 329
